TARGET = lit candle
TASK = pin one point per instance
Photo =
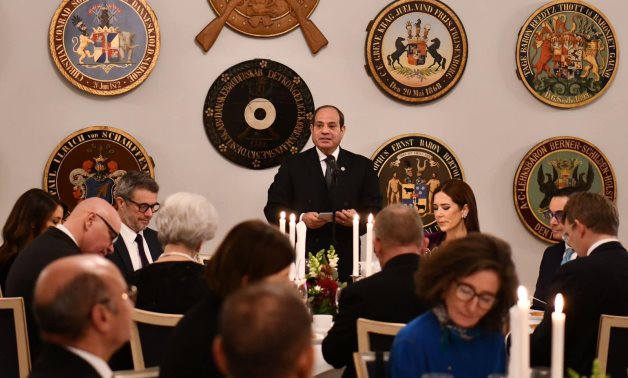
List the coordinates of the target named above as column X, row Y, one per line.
column 301, row 232
column 369, row 246
column 356, row 244
column 282, row 222
column 291, row 228
column 519, row 365
column 558, row 337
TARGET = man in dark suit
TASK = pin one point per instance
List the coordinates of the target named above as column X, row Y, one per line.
column 557, row 254
column 326, row 179
column 84, row 308
column 91, row 228
column 136, row 202
column 592, row 285
column 388, row 295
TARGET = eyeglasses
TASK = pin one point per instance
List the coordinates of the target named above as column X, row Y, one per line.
column 466, row 293
column 113, row 234
column 559, row 215
column 143, row 207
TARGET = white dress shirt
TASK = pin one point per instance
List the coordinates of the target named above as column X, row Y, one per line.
column 322, row 157
column 128, row 237
column 97, row 363
column 599, row 243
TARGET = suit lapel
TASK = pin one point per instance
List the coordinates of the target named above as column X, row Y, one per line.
column 124, row 255
column 153, row 243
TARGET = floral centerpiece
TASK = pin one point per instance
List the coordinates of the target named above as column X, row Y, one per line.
column 322, row 281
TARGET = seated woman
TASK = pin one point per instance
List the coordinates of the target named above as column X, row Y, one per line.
column 32, row 214
column 455, row 211
column 252, row 251
column 175, row 281
column 471, row 282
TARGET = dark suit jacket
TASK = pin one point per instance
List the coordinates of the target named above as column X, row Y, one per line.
column 387, row 296
column 58, row 362
column 300, row 187
column 552, row 257
column 53, row 244
column 592, row 286
column 120, row 256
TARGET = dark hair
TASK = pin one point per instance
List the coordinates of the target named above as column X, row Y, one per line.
column 135, row 180
column 460, row 192
column 341, row 116
column 593, row 210
column 68, row 313
column 463, row 257
column 251, row 249
column 27, row 220
column 398, row 225
column 566, row 192
column 264, row 329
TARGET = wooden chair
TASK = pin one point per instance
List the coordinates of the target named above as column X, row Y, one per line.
column 612, row 345
column 15, row 359
column 366, row 327
column 152, row 372
column 371, row 364
column 148, row 333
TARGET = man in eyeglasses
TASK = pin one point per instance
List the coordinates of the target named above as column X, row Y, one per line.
column 136, row 202
column 557, row 254
column 91, row 228
column 83, row 306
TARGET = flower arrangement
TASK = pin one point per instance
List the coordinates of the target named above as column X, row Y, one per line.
column 322, row 281
column 595, row 371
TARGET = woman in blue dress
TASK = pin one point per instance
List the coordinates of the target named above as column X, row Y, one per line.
column 472, row 283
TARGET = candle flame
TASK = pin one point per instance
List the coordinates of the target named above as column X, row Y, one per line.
column 370, row 220
column 559, row 302
column 522, row 293
column 282, row 215
column 356, row 218
column 293, row 217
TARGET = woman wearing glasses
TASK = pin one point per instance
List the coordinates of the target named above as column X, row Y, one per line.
column 471, row 282
column 455, row 211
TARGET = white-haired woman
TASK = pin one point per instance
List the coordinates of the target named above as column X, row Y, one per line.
column 176, row 281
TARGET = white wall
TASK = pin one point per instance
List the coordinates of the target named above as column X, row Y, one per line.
column 489, row 119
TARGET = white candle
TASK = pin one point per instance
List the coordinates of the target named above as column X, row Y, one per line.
column 282, row 222
column 356, row 245
column 369, row 246
column 558, row 337
column 301, row 235
column 519, row 365
column 291, row 228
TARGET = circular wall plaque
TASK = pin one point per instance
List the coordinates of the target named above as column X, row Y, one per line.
column 104, row 47
column 410, row 167
column 89, row 162
column 554, row 164
column 257, row 112
column 263, row 18
column 567, row 53
column 416, row 51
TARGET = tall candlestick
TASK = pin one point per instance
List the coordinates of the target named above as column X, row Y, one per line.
column 356, row 245
column 282, row 222
column 301, row 232
column 369, row 246
column 558, row 337
column 519, row 364
column 291, row 227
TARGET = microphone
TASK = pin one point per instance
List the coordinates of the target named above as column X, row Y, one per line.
column 334, row 166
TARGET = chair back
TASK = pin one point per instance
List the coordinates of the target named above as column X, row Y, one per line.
column 152, row 372
column 15, row 359
column 612, row 345
column 148, row 333
column 371, row 364
column 366, row 327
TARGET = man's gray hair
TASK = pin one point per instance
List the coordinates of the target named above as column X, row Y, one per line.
column 398, row 225
column 186, row 218
column 135, row 180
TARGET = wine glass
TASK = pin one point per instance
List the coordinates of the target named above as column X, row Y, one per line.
column 302, row 289
column 337, row 297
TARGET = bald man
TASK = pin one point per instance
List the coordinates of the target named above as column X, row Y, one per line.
column 91, row 228
column 83, row 306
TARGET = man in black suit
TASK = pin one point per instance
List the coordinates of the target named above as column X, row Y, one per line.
column 84, row 308
column 557, row 254
column 136, row 202
column 326, row 179
column 388, row 295
column 592, row 285
column 91, row 228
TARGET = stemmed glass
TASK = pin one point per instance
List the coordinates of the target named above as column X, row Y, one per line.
column 302, row 289
column 337, row 297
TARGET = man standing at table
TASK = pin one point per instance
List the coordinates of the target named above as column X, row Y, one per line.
column 326, row 179
column 593, row 284
column 136, row 202
column 386, row 296
column 557, row 254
